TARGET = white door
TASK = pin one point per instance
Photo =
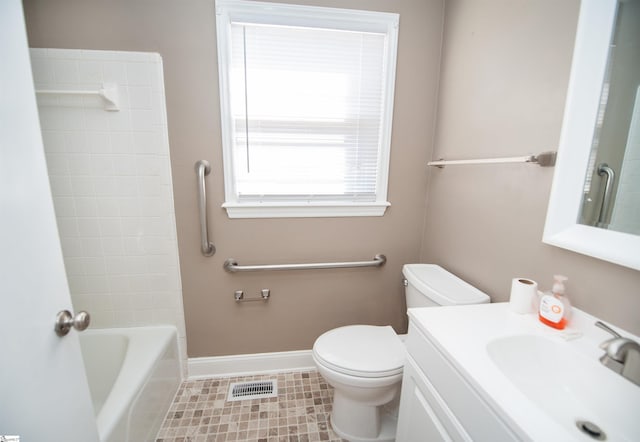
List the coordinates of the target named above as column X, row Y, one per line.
column 43, row 389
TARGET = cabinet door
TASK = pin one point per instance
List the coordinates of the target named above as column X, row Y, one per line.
column 423, row 415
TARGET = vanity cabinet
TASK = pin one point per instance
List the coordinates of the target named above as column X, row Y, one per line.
column 437, row 403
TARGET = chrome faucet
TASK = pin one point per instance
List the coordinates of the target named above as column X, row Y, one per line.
column 622, row 355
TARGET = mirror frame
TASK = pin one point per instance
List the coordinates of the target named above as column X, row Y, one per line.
column 595, row 26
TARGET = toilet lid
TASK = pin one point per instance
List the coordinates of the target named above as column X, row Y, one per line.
column 361, row 350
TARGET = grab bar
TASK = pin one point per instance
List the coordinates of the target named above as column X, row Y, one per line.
column 203, row 169
column 610, row 176
column 231, row 265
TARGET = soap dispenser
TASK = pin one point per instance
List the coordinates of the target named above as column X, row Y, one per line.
column 555, row 308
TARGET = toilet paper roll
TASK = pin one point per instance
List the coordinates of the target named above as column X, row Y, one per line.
column 523, row 294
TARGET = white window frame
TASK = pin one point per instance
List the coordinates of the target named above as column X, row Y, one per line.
column 313, row 16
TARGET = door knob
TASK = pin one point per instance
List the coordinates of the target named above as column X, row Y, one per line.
column 65, row 320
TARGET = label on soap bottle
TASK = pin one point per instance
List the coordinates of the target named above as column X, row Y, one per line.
column 551, row 309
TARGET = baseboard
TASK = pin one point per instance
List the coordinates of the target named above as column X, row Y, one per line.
column 250, row 364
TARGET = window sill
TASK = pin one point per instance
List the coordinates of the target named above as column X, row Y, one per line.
column 304, row 210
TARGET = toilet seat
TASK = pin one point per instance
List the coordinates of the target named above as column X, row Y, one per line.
column 367, row 351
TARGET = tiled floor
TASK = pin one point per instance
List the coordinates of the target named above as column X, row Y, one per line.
column 300, row 413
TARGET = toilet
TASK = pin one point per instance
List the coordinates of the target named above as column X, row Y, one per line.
column 364, row 363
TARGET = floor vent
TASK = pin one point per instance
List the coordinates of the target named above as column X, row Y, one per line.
column 240, row 391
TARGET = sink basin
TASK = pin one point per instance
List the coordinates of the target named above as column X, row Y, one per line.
column 569, row 386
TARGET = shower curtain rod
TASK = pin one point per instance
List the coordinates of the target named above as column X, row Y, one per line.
column 108, row 91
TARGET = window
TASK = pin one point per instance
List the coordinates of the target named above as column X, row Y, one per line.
column 306, row 99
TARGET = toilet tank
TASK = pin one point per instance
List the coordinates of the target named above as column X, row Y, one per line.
column 429, row 285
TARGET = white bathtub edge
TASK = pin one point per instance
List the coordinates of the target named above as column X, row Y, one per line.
column 147, row 346
column 250, row 364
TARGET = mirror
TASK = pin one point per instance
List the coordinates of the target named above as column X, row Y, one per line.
column 600, row 139
column 611, row 195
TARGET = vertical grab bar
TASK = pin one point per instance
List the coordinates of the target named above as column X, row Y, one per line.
column 610, row 176
column 203, row 169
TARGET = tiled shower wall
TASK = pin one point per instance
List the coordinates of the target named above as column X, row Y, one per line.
column 111, row 182
column 626, row 211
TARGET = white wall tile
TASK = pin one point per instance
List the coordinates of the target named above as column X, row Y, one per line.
column 54, row 140
column 119, row 284
column 111, row 180
column 74, row 266
column 43, row 75
column 65, row 71
column 138, row 265
column 92, row 246
column 109, row 206
column 114, row 72
column 116, row 265
column 64, row 54
column 94, row 266
column 104, row 186
column 150, row 186
column 60, row 185
column 57, row 164
column 146, row 120
column 102, row 165
column 88, row 227
column 124, row 164
column 79, row 164
column 119, row 121
column 95, row 120
column 148, row 142
column 90, row 73
column 64, row 206
column 82, row 186
column 140, row 97
column 110, row 227
column 98, row 142
column 72, row 247
column 99, row 283
column 67, row 227
column 75, row 139
column 102, row 302
column 139, row 74
column 112, row 246
column 126, row 186
column 133, row 246
column 143, row 317
column 86, row 206
column 122, row 142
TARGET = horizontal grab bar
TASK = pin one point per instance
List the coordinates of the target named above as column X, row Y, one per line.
column 544, row 159
column 232, row 266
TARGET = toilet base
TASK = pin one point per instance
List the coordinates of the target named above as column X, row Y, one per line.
column 365, row 423
column 388, row 426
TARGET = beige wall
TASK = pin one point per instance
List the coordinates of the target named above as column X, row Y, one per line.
column 504, row 79
column 505, row 69
column 303, row 304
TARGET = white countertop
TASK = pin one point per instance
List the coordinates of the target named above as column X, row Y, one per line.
column 462, row 333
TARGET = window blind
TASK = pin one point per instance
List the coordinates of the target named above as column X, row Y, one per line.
column 307, row 108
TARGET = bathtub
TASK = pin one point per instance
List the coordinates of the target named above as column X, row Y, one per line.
column 133, row 375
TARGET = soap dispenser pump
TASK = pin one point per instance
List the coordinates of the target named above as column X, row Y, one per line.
column 555, row 308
